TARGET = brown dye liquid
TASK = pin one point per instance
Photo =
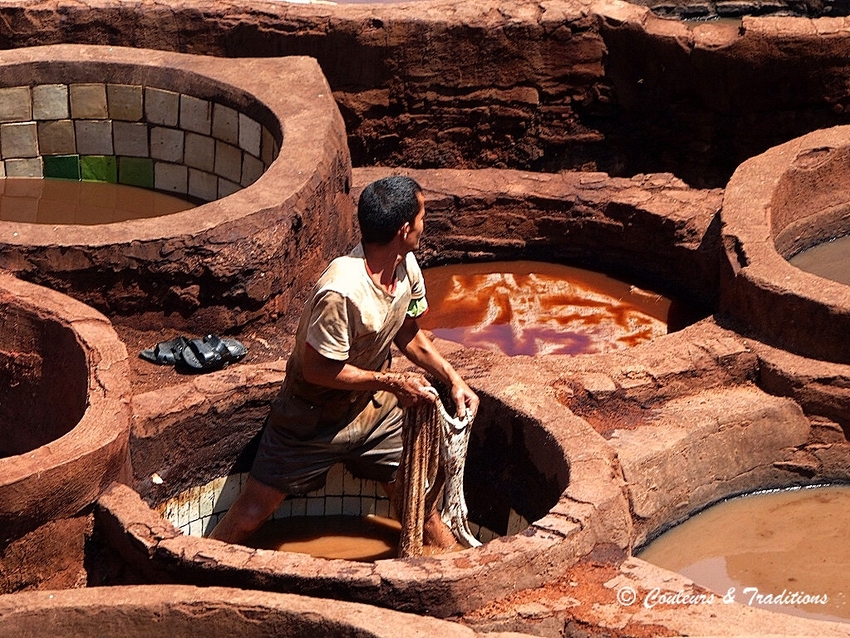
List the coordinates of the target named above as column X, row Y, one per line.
column 830, row 260
column 360, row 538
column 65, row 201
column 535, row 308
column 778, row 542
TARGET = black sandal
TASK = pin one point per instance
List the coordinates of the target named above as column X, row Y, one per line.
column 166, row 353
column 212, row 353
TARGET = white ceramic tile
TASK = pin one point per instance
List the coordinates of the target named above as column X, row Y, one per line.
column 88, row 101
column 195, row 528
column 30, row 167
column 194, row 503
column 315, row 507
column 206, row 502
column 351, row 506
column 252, row 169
column 173, row 178
column 267, row 150
column 333, row 506
column 167, row 144
column 162, row 107
column 250, row 135
column 284, row 510
column 229, row 491
column 299, row 506
column 516, row 523
column 195, row 114
column 50, row 102
column 200, row 152
column 56, row 137
column 94, row 137
column 228, row 162
column 351, row 485
column 368, row 506
column 130, row 139
column 225, row 124
column 226, row 188
column 203, row 185
column 19, row 140
column 208, row 524
column 15, row 104
column 124, row 102
column 181, row 513
column 382, row 507
column 216, row 485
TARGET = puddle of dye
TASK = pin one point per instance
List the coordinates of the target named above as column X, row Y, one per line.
column 65, row 201
column 830, row 260
column 535, row 308
column 787, row 541
column 359, row 538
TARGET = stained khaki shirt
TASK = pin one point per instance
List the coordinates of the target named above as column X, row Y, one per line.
column 349, row 318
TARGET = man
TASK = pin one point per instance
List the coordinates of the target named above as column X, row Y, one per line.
column 339, row 401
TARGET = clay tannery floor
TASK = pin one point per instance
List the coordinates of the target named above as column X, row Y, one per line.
column 594, row 134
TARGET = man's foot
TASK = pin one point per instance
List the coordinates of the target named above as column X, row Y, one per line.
column 436, row 533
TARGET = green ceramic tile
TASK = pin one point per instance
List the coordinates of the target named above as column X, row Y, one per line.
column 135, row 171
column 62, row 166
column 99, row 168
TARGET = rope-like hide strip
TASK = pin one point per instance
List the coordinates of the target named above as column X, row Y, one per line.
column 434, row 454
column 421, row 432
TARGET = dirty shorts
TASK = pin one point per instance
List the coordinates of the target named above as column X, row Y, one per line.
column 301, row 442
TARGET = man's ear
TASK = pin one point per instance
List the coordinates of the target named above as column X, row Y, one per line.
column 404, row 230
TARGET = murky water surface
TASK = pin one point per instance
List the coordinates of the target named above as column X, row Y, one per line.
column 535, row 308
column 830, row 260
column 65, row 201
column 361, row 538
column 768, row 547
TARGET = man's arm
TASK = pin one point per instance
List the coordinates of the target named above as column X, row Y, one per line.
column 320, row 370
column 417, row 347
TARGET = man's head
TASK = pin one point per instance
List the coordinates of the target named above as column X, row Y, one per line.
column 385, row 206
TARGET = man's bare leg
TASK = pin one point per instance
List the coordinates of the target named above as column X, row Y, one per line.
column 255, row 503
column 435, row 533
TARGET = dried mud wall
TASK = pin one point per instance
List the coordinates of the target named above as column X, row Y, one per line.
column 545, row 86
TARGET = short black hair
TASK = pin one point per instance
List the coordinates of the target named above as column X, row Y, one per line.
column 384, row 207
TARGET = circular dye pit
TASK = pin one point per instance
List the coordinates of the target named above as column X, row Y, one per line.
column 783, row 550
column 507, row 486
column 265, row 172
column 535, row 308
column 516, row 472
column 63, row 392
column 776, row 205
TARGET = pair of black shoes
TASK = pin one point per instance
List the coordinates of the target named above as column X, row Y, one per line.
column 196, row 355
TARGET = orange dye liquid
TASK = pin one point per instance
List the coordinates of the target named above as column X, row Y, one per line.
column 534, row 308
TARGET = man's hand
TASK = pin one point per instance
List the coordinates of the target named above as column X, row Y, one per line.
column 408, row 387
column 466, row 401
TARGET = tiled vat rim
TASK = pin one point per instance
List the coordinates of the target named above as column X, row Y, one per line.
column 131, row 134
column 196, row 511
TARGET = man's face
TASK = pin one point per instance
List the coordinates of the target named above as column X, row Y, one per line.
column 413, row 232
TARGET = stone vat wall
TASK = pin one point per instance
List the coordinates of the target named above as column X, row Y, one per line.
column 559, row 85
